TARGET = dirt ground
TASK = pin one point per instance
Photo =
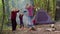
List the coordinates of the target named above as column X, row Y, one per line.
column 41, row 29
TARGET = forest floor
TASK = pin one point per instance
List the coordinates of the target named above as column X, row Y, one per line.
column 41, row 29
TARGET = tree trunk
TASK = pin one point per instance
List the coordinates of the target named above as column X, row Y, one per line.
column 3, row 16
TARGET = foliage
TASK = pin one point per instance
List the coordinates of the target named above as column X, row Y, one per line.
column 48, row 5
column 1, row 11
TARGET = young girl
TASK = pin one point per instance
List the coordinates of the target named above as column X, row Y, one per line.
column 27, row 21
column 13, row 19
column 19, row 19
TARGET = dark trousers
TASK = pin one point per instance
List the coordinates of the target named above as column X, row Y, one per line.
column 14, row 24
column 21, row 21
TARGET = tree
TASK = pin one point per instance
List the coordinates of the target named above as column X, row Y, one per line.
column 3, row 16
column 49, row 5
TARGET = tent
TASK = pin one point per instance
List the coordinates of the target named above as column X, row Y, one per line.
column 42, row 17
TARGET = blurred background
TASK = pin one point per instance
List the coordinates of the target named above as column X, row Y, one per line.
column 51, row 6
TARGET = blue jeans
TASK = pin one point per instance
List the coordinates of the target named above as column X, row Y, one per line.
column 31, row 17
column 30, row 20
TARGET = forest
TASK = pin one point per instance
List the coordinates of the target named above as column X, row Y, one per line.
column 7, row 5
